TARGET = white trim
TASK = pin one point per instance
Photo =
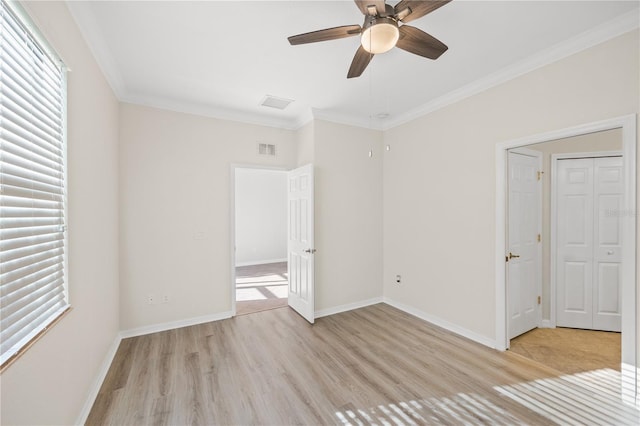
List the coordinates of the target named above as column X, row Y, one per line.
column 347, row 307
column 82, row 13
column 629, row 375
column 594, row 154
column 155, row 328
column 232, row 236
column 232, row 222
column 99, row 379
column 604, row 32
column 363, row 122
column 629, row 283
column 261, row 262
column 449, row 326
column 293, row 123
column 553, row 220
column 545, row 323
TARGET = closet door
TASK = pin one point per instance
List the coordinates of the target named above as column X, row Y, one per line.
column 574, row 280
column 607, row 255
column 589, row 236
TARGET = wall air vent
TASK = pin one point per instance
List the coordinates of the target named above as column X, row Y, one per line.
column 275, row 102
column 266, row 149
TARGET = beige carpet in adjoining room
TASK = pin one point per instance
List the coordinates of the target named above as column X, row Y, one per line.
column 570, row 350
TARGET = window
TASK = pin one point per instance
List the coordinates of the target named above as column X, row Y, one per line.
column 32, row 182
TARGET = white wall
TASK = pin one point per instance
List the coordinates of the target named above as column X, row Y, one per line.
column 51, row 381
column 261, row 216
column 610, row 140
column 175, row 209
column 439, row 177
column 348, row 214
column 305, row 144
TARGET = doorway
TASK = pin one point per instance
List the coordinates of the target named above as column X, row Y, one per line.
column 582, row 178
column 260, row 245
column 626, row 126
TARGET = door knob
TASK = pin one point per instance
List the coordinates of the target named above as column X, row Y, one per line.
column 609, row 252
column 511, row 255
column 311, row 251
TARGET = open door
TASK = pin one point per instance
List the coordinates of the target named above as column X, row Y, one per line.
column 524, row 285
column 300, row 248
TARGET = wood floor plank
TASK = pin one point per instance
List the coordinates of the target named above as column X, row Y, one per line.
column 375, row 365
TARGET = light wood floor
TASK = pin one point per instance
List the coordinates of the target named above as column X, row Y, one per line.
column 261, row 287
column 570, row 350
column 375, row 365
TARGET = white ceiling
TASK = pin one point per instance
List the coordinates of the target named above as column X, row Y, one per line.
column 220, row 58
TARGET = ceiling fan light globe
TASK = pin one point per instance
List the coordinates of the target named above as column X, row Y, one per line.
column 380, row 38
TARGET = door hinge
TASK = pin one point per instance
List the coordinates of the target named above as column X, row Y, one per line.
column 540, row 173
column 539, row 238
column 539, row 300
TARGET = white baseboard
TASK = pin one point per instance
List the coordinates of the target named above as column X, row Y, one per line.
column 140, row 331
column 99, row 379
column 347, row 307
column 545, row 323
column 454, row 328
column 261, row 262
column 111, row 353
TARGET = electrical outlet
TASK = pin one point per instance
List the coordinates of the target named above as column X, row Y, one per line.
column 151, row 299
column 398, row 279
column 165, row 298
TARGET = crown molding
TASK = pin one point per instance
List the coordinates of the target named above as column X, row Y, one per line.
column 215, row 112
column 597, row 35
column 85, row 20
column 373, row 124
column 82, row 14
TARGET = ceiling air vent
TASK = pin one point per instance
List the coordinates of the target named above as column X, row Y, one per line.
column 266, row 149
column 275, row 102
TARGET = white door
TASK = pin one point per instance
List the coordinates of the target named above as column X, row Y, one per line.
column 300, row 247
column 524, row 257
column 607, row 254
column 589, row 193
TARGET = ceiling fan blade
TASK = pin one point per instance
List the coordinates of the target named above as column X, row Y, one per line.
column 359, row 63
column 416, row 8
column 326, row 34
column 363, row 5
column 420, row 43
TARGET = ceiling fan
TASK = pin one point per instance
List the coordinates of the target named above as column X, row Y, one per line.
column 381, row 31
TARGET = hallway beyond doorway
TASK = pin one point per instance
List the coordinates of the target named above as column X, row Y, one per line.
column 261, row 287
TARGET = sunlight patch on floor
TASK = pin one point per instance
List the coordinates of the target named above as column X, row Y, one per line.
column 592, row 397
column 459, row 409
column 275, row 278
column 243, row 294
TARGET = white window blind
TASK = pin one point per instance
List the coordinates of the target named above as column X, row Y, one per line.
column 32, row 182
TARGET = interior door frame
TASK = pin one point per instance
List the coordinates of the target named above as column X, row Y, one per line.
column 629, row 295
column 232, row 221
column 538, row 156
column 554, row 221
